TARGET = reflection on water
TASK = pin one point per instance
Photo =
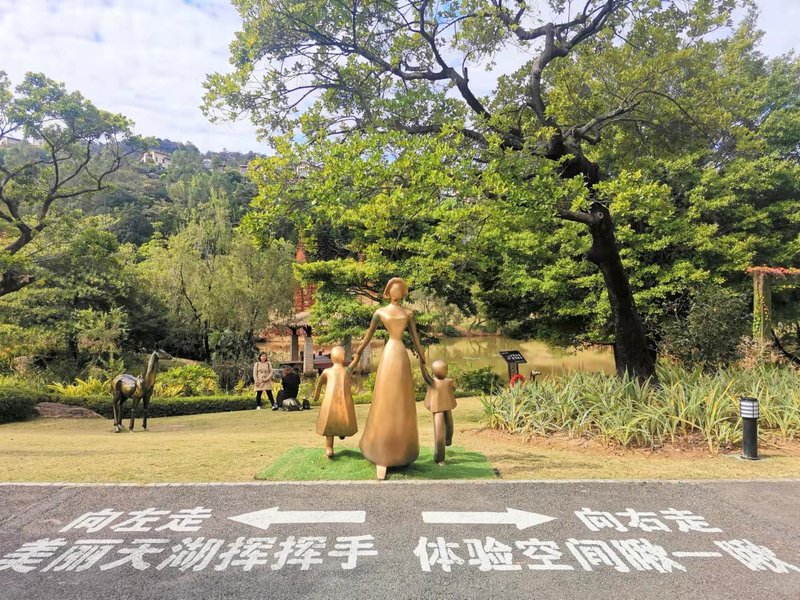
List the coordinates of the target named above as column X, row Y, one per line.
column 477, row 352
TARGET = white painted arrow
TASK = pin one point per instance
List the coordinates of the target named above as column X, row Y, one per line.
column 522, row 519
column 262, row 519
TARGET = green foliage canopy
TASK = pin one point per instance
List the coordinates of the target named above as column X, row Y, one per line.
column 212, row 278
column 395, row 159
column 74, row 148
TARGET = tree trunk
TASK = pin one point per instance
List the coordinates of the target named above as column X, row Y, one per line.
column 13, row 282
column 347, row 344
column 206, row 344
column 632, row 353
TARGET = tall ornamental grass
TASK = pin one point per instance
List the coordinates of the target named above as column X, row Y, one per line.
column 687, row 404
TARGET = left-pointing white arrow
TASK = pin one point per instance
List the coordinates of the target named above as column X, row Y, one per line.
column 262, row 519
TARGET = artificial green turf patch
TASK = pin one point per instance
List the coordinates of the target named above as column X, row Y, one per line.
column 311, row 464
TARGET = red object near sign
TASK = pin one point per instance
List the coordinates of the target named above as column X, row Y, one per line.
column 517, row 378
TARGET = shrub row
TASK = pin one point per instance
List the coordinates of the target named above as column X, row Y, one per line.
column 161, row 407
column 188, row 381
column 477, row 381
column 18, row 404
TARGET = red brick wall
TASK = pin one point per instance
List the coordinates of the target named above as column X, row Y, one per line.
column 303, row 296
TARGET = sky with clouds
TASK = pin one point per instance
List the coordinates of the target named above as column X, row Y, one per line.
column 147, row 59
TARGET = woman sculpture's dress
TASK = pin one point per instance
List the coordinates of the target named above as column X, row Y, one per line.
column 390, row 436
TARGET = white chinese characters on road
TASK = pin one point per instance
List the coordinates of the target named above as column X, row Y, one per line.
column 141, row 540
column 188, row 554
column 621, row 555
column 684, row 520
column 140, row 521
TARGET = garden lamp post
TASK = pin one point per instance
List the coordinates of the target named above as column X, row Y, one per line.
column 748, row 408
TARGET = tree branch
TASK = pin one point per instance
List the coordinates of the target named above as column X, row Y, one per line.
column 12, row 282
column 427, row 129
column 582, row 131
column 777, row 343
column 584, row 217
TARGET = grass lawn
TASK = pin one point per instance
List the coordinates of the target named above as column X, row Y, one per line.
column 311, row 464
column 237, row 446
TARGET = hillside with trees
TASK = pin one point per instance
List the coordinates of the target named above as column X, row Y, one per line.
column 104, row 255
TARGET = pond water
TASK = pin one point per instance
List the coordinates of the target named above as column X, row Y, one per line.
column 483, row 351
column 477, row 352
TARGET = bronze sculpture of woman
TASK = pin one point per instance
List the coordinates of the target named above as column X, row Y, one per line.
column 390, row 436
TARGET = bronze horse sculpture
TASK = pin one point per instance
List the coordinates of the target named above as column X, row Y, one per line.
column 136, row 388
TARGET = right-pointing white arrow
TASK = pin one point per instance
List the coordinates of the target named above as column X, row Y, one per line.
column 521, row 518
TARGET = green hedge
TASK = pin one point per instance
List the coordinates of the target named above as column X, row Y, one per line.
column 18, row 404
column 361, row 398
column 366, row 397
column 161, row 407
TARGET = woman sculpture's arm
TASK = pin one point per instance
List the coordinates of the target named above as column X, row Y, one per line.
column 365, row 342
column 425, row 375
column 415, row 337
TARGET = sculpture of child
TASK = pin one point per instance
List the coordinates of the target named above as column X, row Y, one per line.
column 337, row 416
column 440, row 400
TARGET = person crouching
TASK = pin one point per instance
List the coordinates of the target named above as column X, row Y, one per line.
column 291, row 387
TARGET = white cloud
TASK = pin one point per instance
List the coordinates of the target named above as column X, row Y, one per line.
column 147, row 59
column 779, row 19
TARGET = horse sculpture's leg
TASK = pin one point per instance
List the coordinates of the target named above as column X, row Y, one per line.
column 116, row 405
column 145, row 404
column 134, row 404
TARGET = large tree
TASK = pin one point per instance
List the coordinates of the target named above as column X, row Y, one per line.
column 88, row 297
column 378, row 206
column 637, row 74
column 55, row 145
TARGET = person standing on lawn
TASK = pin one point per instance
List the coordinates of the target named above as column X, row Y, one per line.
column 337, row 416
column 262, row 376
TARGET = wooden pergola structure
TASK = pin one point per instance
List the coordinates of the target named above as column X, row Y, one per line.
column 300, row 323
column 764, row 280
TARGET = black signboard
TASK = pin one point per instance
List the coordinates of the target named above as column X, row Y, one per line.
column 513, row 357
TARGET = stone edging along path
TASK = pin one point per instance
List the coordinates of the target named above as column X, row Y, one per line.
column 397, row 482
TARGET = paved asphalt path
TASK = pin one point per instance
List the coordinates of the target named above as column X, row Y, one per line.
column 678, row 540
